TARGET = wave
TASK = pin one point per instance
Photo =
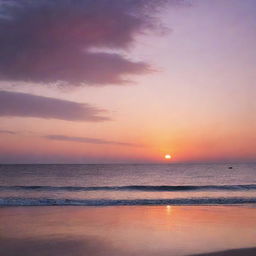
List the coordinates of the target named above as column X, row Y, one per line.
column 244, row 187
column 106, row 202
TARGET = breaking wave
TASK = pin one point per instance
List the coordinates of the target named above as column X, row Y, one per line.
column 107, row 202
column 136, row 188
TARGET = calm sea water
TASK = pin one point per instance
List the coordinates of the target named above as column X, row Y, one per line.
column 125, row 184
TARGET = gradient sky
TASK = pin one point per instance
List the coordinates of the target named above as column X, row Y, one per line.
column 102, row 81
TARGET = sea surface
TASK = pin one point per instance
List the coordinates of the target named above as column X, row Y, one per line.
column 129, row 210
column 127, row 184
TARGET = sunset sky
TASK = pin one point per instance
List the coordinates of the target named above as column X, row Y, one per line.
column 127, row 81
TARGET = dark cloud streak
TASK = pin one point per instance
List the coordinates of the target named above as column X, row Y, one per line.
column 47, row 41
column 89, row 140
column 28, row 105
column 7, row 132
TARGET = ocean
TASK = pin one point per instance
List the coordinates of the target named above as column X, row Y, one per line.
column 127, row 184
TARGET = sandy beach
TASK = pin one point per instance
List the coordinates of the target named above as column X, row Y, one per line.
column 129, row 231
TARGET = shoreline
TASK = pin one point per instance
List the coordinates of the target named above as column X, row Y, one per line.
column 127, row 202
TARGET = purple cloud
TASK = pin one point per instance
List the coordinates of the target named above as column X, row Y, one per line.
column 28, row 105
column 89, row 140
column 51, row 40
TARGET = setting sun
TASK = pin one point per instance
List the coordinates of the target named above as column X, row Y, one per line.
column 167, row 156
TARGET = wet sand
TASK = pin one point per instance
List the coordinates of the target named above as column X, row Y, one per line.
column 128, row 231
column 237, row 252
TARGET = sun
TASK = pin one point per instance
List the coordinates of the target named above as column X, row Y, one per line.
column 167, row 156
